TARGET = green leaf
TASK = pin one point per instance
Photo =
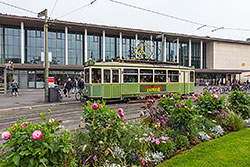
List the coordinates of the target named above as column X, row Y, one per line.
column 42, row 115
column 53, row 159
column 16, row 159
column 26, row 152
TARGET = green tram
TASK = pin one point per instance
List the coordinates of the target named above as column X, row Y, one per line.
column 126, row 79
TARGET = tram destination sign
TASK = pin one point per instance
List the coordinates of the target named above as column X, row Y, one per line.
column 152, row 88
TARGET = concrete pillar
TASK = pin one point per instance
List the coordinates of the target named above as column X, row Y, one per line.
column 5, row 81
column 120, row 45
column 178, row 50
column 190, row 53
column 201, row 54
column 136, row 40
column 66, row 46
column 165, row 49
column 85, row 45
column 104, row 46
column 22, row 43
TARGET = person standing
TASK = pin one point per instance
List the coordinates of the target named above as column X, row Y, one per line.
column 68, row 87
column 81, row 86
column 14, row 87
column 75, row 83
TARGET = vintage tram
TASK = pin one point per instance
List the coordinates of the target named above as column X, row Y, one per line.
column 126, row 79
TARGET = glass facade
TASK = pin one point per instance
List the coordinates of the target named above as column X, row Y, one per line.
column 94, row 47
column 112, row 48
column 196, row 55
column 35, row 44
column 12, row 42
column 171, row 51
column 184, row 53
column 57, row 47
column 1, row 46
column 75, row 49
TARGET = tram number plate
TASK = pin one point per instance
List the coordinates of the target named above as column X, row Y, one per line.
column 152, row 88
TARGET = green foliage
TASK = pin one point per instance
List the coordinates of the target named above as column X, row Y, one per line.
column 167, row 148
column 234, row 122
column 54, row 148
column 208, row 103
column 102, row 123
column 240, row 103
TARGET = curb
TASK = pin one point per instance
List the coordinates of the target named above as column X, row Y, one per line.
column 37, row 106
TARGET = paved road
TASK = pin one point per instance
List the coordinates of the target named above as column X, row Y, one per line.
column 30, row 104
column 70, row 114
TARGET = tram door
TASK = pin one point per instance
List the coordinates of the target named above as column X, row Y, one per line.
column 115, row 86
column 185, row 80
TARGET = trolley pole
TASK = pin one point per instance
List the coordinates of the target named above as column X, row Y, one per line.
column 46, row 71
column 163, row 47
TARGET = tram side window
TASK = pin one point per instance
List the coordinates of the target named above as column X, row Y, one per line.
column 160, row 75
column 191, row 76
column 106, row 76
column 173, row 76
column 96, row 75
column 87, row 76
column 115, row 76
column 130, row 75
column 146, row 75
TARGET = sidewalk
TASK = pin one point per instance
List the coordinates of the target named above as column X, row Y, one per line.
column 29, row 98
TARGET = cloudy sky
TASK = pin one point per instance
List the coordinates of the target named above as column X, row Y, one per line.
column 212, row 13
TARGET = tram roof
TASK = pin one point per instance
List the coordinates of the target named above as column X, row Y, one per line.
column 138, row 64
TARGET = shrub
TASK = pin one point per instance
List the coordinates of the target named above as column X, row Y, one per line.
column 234, row 122
column 209, row 102
column 240, row 103
column 40, row 144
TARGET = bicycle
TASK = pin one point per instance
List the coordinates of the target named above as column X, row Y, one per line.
column 59, row 94
column 79, row 95
column 219, row 89
column 228, row 89
column 207, row 88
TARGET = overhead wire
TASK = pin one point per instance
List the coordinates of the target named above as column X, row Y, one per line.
column 17, row 7
column 75, row 10
column 201, row 25
column 53, row 8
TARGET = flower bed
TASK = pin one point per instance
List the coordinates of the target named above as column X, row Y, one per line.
column 167, row 126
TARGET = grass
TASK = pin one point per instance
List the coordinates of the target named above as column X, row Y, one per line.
column 232, row 150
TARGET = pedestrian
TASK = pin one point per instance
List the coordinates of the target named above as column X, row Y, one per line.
column 75, row 84
column 68, row 86
column 14, row 87
column 81, row 86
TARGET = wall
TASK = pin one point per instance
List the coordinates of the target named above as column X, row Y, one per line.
column 231, row 56
column 210, row 55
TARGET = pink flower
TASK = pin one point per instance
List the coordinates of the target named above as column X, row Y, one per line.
column 118, row 116
column 164, row 142
column 214, row 91
column 157, row 142
column 6, row 135
column 195, row 94
column 177, row 105
column 182, row 104
column 120, row 110
column 122, row 115
column 151, row 134
column 95, row 106
column 216, row 96
column 164, row 96
column 171, row 94
column 37, row 134
column 24, row 124
column 159, row 95
column 196, row 99
column 59, row 120
column 171, row 98
column 177, row 93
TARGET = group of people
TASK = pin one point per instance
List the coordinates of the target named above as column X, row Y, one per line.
column 72, row 86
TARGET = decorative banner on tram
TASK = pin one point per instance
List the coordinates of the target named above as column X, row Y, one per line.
column 152, row 88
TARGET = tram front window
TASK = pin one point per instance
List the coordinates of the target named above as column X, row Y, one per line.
column 115, row 76
column 160, row 75
column 173, row 76
column 96, row 75
column 87, row 76
column 106, row 76
column 146, row 75
column 130, row 75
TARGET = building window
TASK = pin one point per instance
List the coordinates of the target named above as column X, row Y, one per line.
column 75, row 49
column 94, row 47
column 196, row 55
column 184, row 54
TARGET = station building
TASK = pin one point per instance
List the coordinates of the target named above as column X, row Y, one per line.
column 73, row 44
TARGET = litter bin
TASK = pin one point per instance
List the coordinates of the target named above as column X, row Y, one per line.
column 53, row 95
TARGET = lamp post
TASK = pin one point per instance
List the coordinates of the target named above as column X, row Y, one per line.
column 46, row 71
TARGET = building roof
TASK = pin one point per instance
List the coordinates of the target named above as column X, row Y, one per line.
column 14, row 20
column 221, row 71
